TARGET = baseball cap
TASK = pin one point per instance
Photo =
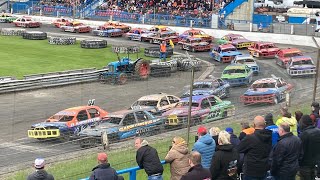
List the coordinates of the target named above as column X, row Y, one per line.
column 202, row 130
column 229, row 130
column 39, row 163
column 102, row 157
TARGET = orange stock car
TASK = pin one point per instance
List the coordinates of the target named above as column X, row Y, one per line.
column 61, row 22
column 117, row 25
column 67, row 123
column 196, row 33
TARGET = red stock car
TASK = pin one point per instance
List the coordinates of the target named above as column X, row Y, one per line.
column 26, row 22
column 61, row 22
column 157, row 38
column 196, row 33
column 263, row 49
column 76, row 27
column 116, row 25
column 284, row 55
column 194, row 44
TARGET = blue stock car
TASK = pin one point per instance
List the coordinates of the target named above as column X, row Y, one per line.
column 121, row 125
column 224, row 53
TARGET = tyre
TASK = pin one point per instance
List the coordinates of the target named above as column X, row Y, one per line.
column 122, row 78
column 142, row 69
column 35, row 35
column 93, row 44
column 56, row 40
column 12, row 32
column 160, row 70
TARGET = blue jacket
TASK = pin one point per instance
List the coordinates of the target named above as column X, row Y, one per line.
column 206, row 147
column 275, row 134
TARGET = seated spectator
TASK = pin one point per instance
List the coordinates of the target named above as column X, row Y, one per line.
column 288, row 118
column 196, row 172
column 274, row 128
column 214, row 133
column 224, row 163
column 246, row 130
column 40, row 173
column 104, row 171
column 233, row 138
column 178, row 157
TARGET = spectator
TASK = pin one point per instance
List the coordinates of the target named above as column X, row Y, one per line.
column 214, row 133
column 315, row 108
column 286, row 117
column 40, row 173
column 163, row 50
column 205, row 146
column 233, row 138
column 148, row 159
column 104, row 171
column 224, row 163
column 285, row 155
column 274, row 128
column 310, row 137
column 196, row 172
column 256, row 148
column 246, row 130
column 298, row 115
column 178, row 158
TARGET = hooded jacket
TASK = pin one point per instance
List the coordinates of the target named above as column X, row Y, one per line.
column 103, row 172
column 256, row 148
column 274, row 128
column 179, row 161
column 148, row 159
column 40, row 174
column 310, row 138
column 225, row 158
column 292, row 123
column 206, row 147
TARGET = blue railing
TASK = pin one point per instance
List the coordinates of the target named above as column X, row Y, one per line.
column 132, row 172
column 228, row 9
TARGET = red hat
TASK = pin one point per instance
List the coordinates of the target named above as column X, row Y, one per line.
column 202, row 130
column 102, row 157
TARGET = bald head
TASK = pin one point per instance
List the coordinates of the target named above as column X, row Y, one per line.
column 195, row 157
column 259, row 122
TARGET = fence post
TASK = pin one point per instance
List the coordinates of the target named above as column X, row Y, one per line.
column 111, row 18
column 133, row 175
column 40, row 12
column 28, row 11
column 57, row 13
column 191, row 23
column 250, row 27
column 11, row 10
column 292, row 29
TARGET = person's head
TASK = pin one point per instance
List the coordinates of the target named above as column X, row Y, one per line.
column 102, row 158
column 229, row 130
column 284, row 128
column 194, row 158
column 313, row 118
column 163, row 42
column 298, row 115
column 178, row 141
column 224, row 138
column 202, row 131
column 285, row 112
column 214, row 131
column 245, row 125
column 137, row 143
column 305, row 121
column 269, row 119
column 39, row 163
column 259, row 122
column 314, row 106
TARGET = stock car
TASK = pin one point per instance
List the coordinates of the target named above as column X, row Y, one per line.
column 26, row 22
column 67, row 123
column 196, row 33
column 236, row 40
column 76, row 27
column 116, row 25
column 7, row 18
column 301, row 66
column 194, row 44
column 157, row 38
column 121, row 125
column 248, row 60
column 215, row 86
column 237, row 74
column 135, row 34
column 108, row 32
column 160, row 29
column 204, row 109
column 224, row 53
column 263, row 50
column 284, row 55
column 61, row 22
column 162, row 101
column 267, row 90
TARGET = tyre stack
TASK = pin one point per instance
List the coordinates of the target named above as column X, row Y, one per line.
column 185, row 64
column 34, row 35
column 61, row 40
column 12, row 32
column 93, row 44
column 155, row 51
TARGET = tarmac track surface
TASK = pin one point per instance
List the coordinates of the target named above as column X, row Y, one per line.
column 20, row 110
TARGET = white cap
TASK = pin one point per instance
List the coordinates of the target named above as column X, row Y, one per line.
column 39, row 163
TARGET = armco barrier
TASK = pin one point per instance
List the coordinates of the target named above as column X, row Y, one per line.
column 132, row 172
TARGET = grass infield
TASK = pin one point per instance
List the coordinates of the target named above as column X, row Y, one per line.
column 21, row 57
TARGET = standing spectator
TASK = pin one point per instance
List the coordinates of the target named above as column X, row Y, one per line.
column 315, row 108
column 298, row 115
column 163, row 50
column 224, row 163
column 214, row 133
column 246, row 130
column 233, row 138
column 310, row 137
column 205, row 146
column 104, row 171
column 178, row 158
column 40, row 173
column 274, row 128
column 287, row 118
column 196, row 172
column 256, row 148
column 148, row 159
column 285, row 155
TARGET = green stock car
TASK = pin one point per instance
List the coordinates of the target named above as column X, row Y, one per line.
column 237, row 75
column 7, row 18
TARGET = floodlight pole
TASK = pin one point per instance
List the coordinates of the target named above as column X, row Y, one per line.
column 317, row 71
column 190, row 103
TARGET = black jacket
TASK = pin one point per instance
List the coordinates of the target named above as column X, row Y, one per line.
column 197, row 172
column 148, row 159
column 103, row 172
column 256, row 148
column 234, row 140
column 40, row 175
column 285, row 156
column 310, row 138
column 225, row 158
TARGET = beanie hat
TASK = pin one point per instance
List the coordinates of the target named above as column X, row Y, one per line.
column 202, row 130
column 305, row 121
column 39, row 163
column 269, row 119
column 315, row 104
column 102, row 157
column 229, row 130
